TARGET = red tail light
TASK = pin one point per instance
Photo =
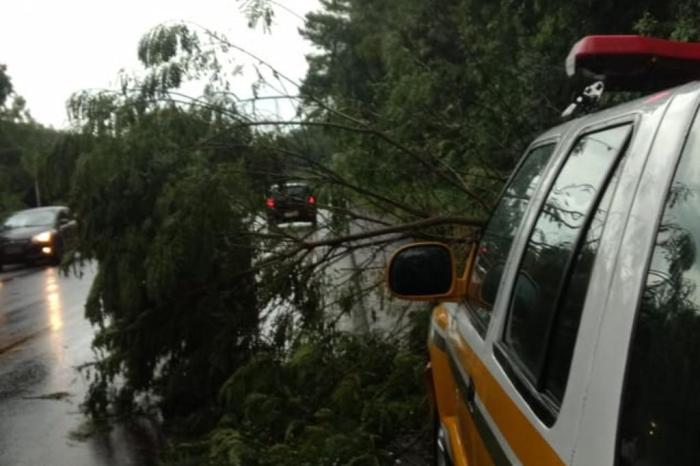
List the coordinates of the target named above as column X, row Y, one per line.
column 270, row 202
column 311, row 200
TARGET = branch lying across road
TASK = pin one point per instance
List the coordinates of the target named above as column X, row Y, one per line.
column 453, row 178
column 403, row 228
column 304, row 247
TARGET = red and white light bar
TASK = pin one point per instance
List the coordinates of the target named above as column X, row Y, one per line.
column 634, row 63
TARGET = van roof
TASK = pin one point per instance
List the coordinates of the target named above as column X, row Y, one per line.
column 638, row 105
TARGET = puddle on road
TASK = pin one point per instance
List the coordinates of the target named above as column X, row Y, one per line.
column 23, row 376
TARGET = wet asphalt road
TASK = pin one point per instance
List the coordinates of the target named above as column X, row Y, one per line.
column 43, row 338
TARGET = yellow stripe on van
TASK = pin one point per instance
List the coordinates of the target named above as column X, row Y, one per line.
column 522, row 437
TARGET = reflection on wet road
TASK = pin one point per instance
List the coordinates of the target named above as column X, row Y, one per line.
column 43, row 338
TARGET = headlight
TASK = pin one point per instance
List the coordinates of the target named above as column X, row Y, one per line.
column 44, row 237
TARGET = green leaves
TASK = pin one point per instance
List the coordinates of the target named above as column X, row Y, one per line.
column 165, row 42
column 334, row 400
column 5, row 85
column 464, row 87
column 24, row 146
column 176, row 300
column 411, row 109
column 230, row 446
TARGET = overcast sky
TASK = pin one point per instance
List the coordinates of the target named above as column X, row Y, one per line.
column 53, row 48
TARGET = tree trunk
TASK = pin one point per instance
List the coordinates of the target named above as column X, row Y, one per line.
column 37, row 193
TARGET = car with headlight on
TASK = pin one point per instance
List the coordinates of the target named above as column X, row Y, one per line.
column 42, row 234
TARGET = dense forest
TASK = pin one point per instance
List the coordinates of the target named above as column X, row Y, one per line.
column 410, row 118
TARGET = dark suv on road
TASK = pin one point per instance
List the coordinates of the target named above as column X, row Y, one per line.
column 35, row 235
column 291, row 202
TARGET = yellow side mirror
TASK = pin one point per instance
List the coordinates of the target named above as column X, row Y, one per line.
column 425, row 272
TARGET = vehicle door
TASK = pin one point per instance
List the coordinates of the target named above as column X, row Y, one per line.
column 641, row 399
column 516, row 336
column 470, row 442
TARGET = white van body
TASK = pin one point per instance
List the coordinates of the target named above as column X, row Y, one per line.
column 484, row 414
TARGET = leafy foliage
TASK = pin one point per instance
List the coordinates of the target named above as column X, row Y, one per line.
column 408, row 108
column 463, row 85
column 333, row 399
column 24, row 145
column 5, row 85
column 160, row 212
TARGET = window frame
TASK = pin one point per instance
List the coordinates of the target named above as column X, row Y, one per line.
column 476, row 322
column 546, row 407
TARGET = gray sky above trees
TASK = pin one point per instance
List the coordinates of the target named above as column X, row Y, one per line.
column 53, row 48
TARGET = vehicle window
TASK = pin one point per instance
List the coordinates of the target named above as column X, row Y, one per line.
column 31, row 219
column 499, row 233
column 296, row 191
column 566, row 322
column 661, row 403
column 534, row 325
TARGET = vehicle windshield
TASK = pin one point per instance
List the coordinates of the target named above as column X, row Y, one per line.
column 293, row 191
column 31, row 219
